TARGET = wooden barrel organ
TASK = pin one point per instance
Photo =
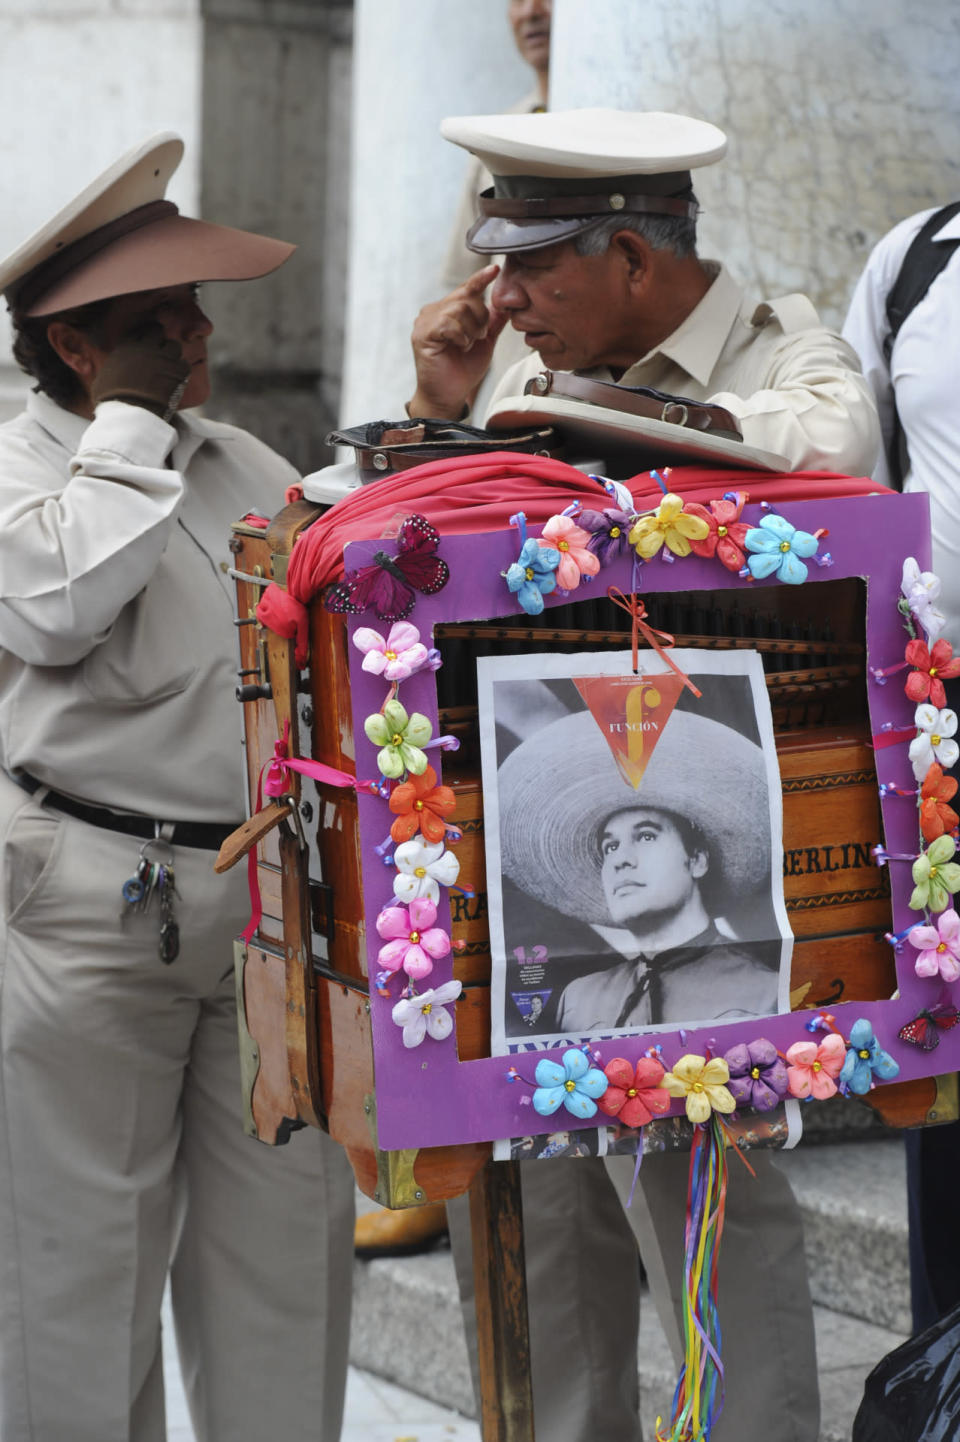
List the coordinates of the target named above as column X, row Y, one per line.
column 303, row 987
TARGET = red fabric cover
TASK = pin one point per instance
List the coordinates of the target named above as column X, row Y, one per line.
column 481, row 492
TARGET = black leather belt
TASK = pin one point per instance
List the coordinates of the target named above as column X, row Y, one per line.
column 206, row 835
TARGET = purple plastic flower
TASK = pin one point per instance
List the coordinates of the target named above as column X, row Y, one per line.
column 608, row 532
column 758, row 1075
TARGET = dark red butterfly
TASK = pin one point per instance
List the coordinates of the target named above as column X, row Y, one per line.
column 388, row 584
column 924, row 1030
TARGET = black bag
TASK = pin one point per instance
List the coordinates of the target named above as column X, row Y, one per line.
column 913, row 1394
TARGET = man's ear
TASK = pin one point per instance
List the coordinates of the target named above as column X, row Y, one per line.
column 699, row 864
column 74, row 349
column 636, row 252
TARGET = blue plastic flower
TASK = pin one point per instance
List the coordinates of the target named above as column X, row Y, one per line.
column 533, row 575
column 777, row 547
column 574, row 1085
column 865, row 1060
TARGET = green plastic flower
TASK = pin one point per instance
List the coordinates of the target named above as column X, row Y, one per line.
column 936, row 876
column 400, row 737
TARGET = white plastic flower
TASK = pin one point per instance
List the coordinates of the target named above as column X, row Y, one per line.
column 921, row 589
column 422, row 869
column 934, row 739
column 395, row 656
column 425, row 1013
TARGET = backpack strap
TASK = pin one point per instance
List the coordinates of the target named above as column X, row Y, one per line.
column 923, row 262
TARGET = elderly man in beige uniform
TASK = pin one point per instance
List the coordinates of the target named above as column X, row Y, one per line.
column 122, row 1155
column 595, row 215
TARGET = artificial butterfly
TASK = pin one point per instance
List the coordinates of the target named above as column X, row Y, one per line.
column 388, row 584
column 924, row 1030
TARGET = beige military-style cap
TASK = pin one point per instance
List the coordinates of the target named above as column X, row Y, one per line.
column 558, row 172
column 120, row 235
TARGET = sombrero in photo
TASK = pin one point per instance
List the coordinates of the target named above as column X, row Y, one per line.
column 559, row 786
column 120, row 236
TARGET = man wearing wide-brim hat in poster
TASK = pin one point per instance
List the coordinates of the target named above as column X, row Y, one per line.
column 595, row 215
column 654, row 868
column 122, row 1151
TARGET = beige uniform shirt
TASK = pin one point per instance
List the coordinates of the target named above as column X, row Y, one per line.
column 794, row 386
column 118, row 660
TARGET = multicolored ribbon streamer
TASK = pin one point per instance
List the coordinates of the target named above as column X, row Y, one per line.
column 698, row 1399
column 637, row 611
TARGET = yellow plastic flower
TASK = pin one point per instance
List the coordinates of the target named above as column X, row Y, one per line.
column 701, row 1082
column 670, row 526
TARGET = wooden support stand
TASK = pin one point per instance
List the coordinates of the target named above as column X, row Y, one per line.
column 500, row 1284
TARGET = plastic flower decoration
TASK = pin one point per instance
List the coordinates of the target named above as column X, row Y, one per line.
column 575, row 1085
column 400, row 737
column 395, row 657
column 702, row 1084
column 413, row 942
column 938, row 947
column 634, row 1094
column 934, row 741
column 422, row 868
column 865, row 1059
column 936, row 876
column 561, row 533
column 933, row 665
column 758, row 1075
column 727, row 533
column 426, row 1014
column 607, row 530
column 776, row 548
column 920, row 590
column 936, row 816
column 419, row 804
column 812, row 1069
column 533, row 575
column 672, row 525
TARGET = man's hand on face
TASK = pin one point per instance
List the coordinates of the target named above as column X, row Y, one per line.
column 453, row 341
column 145, row 368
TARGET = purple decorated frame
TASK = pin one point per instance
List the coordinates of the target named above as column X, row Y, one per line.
column 425, row 1095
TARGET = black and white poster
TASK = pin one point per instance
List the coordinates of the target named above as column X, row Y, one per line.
column 633, row 845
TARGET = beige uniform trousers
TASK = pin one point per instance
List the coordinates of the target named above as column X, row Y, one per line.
column 122, row 1158
column 584, row 1295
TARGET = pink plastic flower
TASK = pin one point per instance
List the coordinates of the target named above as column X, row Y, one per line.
column 413, row 942
column 634, row 1094
column 727, row 532
column 812, row 1069
column 562, row 534
column 938, row 947
column 395, row 657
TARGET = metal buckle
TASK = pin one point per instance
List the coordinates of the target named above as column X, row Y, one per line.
column 675, row 406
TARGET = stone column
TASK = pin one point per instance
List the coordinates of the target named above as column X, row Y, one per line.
column 413, row 64
column 842, row 119
column 276, row 106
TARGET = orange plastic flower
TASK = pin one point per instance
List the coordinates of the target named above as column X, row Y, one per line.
column 936, row 817
column 419, row 804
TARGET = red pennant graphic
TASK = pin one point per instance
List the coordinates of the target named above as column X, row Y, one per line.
column 631, row 712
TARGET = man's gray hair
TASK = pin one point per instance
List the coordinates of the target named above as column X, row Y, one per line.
column 661, row 232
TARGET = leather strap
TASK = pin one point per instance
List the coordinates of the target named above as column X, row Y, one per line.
column 205, row 835
column 637, row 401
column 616, row 203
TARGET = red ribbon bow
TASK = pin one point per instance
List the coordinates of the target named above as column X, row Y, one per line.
column 637, row 611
